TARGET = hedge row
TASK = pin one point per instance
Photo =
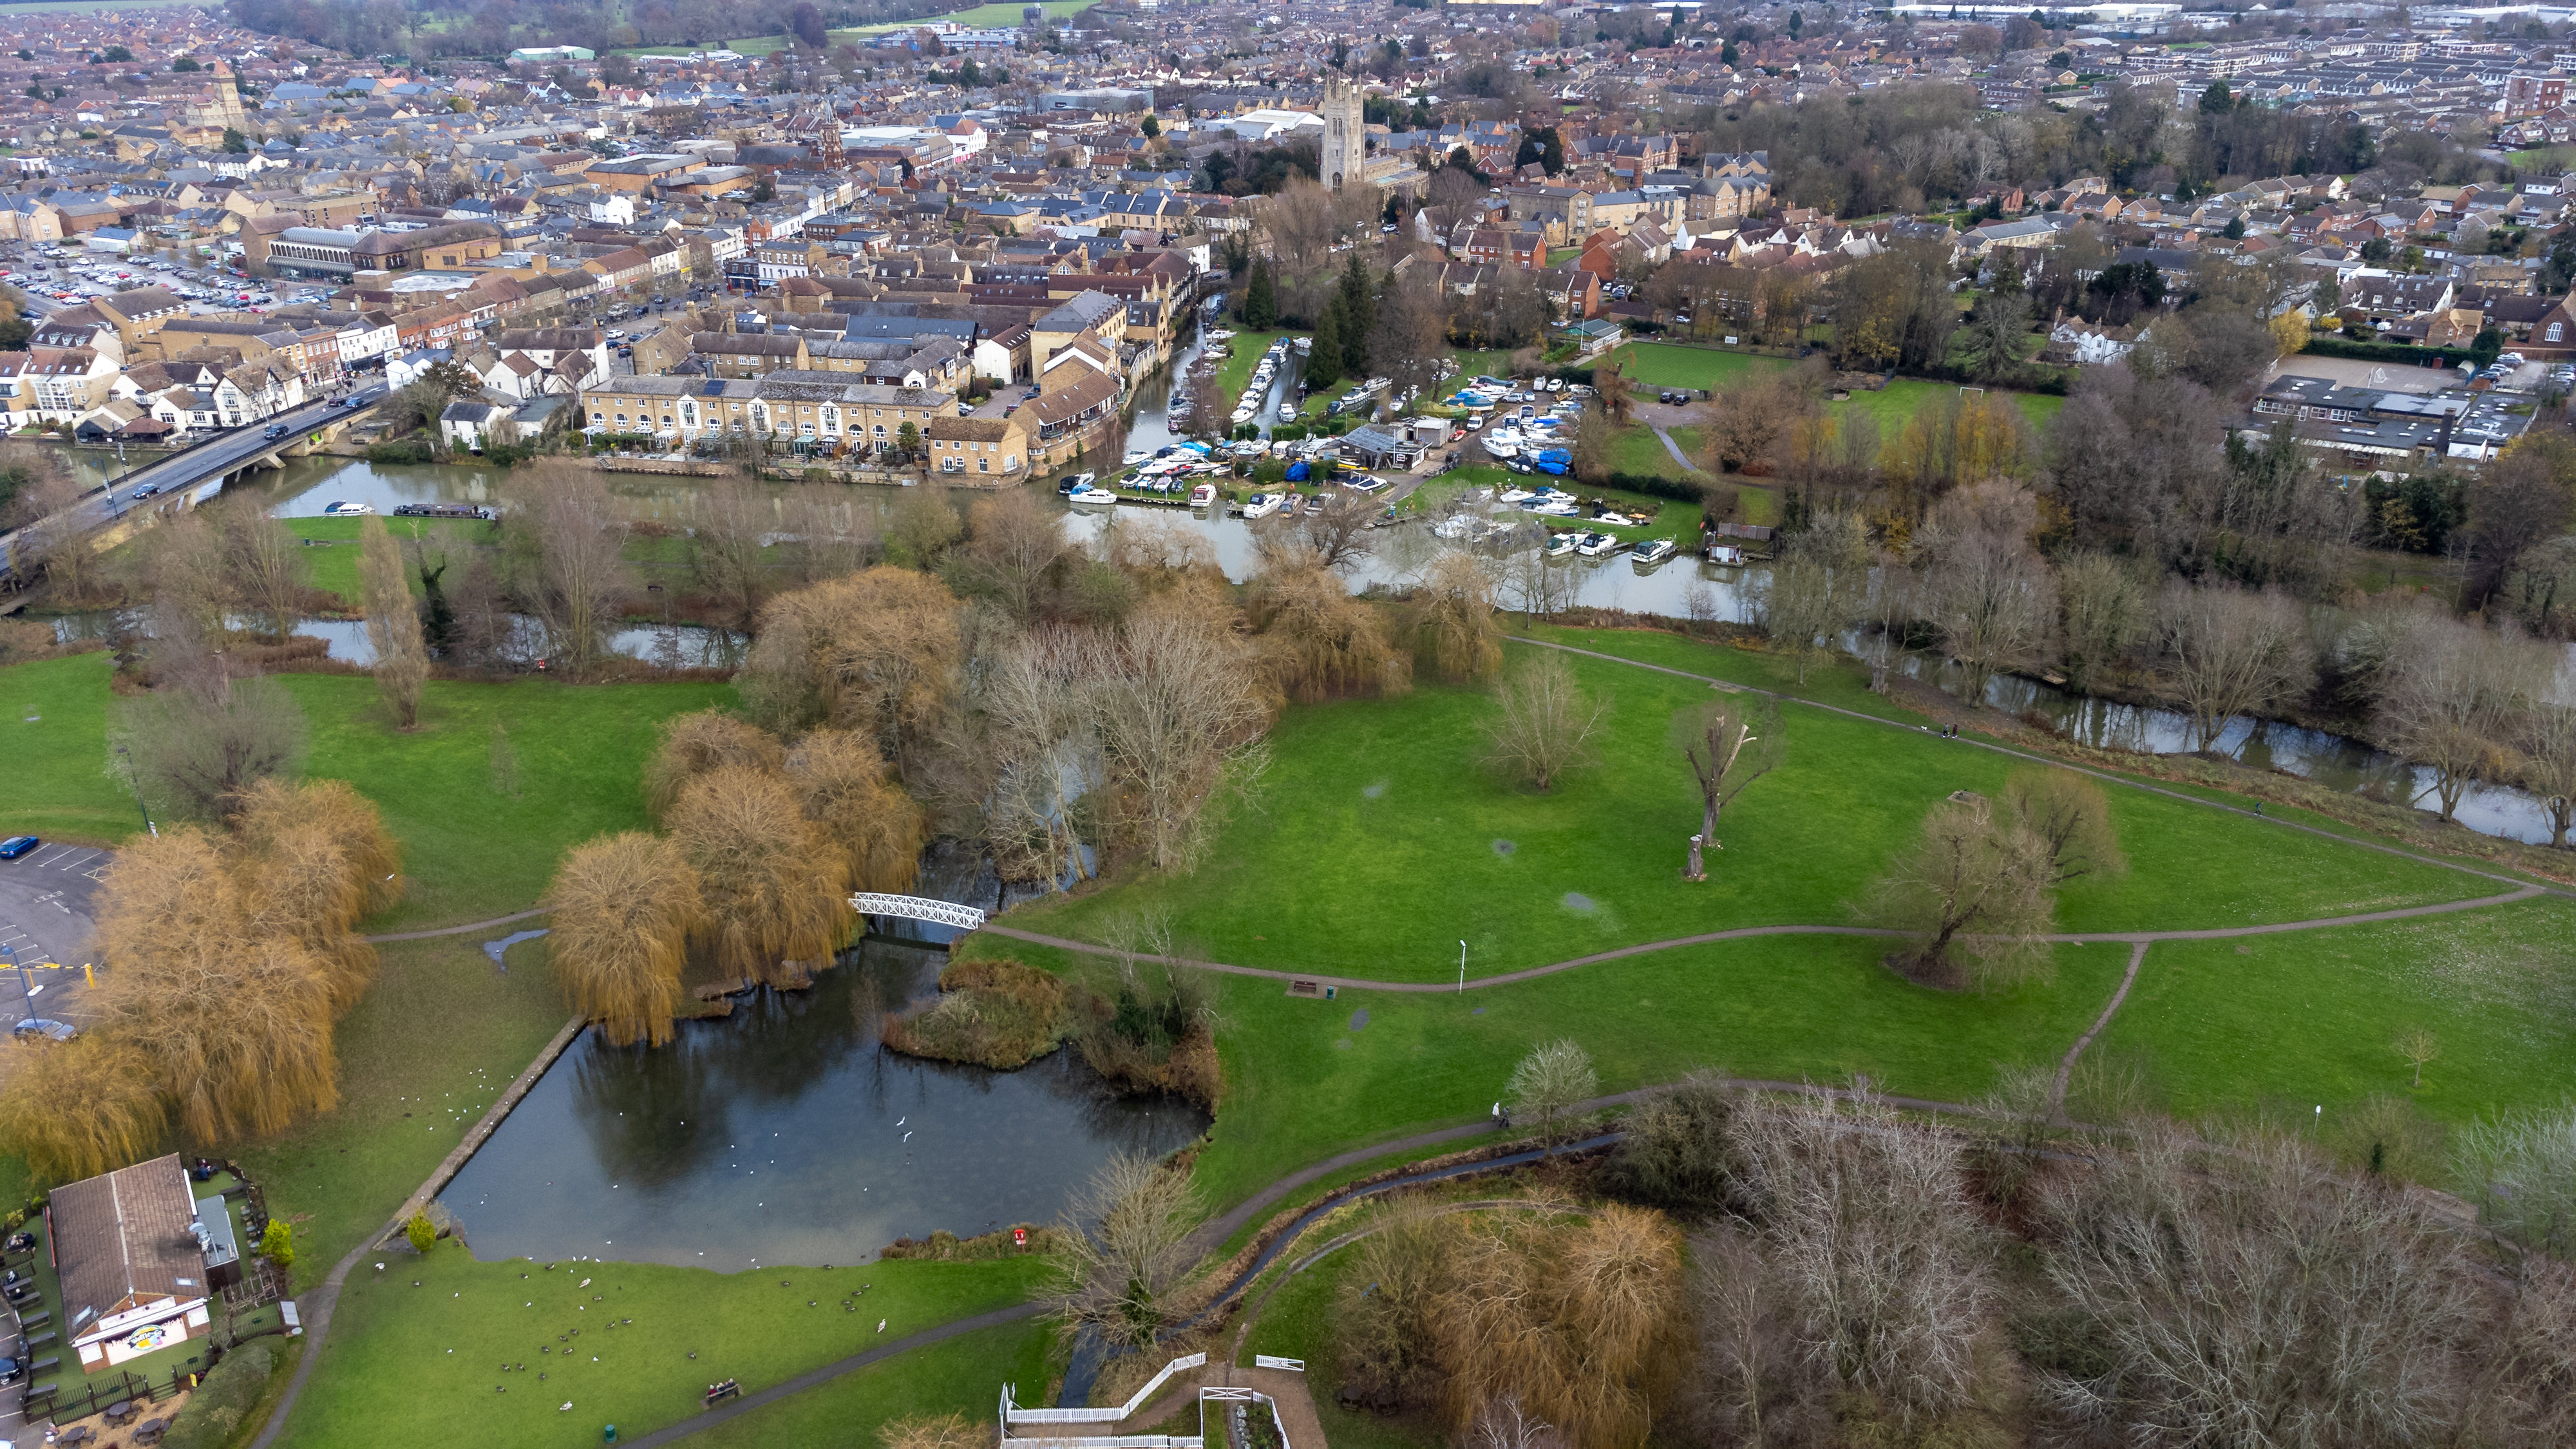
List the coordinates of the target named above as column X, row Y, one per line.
column 2400, row 353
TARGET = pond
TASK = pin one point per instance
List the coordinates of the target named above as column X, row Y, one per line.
column 785, row 1134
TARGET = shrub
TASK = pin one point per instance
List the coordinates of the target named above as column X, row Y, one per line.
column 401, row 450
column 277, row 1244
column 997, row 1014
column 420, row 1232
column 227, row 1392
column 1153, row 1036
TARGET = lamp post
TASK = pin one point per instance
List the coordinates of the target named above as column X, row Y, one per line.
column 130, row 779
column 26, row 992
column 1462, row 968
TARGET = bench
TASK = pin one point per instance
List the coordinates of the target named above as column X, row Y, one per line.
column 37, row 1342
column 35, row 1320
column 46, row 1365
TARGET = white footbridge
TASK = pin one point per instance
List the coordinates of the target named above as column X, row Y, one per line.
column 918, row 908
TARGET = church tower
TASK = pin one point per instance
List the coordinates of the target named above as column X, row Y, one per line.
column 1345, row 136
column 228, row 104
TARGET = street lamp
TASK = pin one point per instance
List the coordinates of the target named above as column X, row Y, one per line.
column 131, row 779
column 26, row 992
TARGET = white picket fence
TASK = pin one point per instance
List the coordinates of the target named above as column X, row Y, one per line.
column 1013, row 1414
column 1293, row 1365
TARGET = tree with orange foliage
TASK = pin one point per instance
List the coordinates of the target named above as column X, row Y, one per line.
column 623, row 906
column 772, row 883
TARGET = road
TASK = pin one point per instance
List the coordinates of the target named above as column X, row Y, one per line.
column 206, row 460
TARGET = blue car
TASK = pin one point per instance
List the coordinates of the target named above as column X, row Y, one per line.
column 17, row 845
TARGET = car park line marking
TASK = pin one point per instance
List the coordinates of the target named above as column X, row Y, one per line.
column 85, row 856
column 50, row 852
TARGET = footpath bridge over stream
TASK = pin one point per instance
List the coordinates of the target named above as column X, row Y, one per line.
column 114, row 513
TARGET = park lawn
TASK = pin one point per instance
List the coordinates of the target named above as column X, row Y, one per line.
column 53, row 716
column 1665, row 364
column 1390, row 794
column 439, row 1034
column 2311, row 1018
column 332, row 560
column 1897, row 403
column 469, row 852
column 1303, row 1082
column 1473, row 365
column 410, row 1365
column 1756, row 502
column 1636, row 449
column 2541, row 158
column 960, row 1376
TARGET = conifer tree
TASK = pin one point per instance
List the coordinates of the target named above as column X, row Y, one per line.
column 1260, row 308
column 1359, row 315
column 1324, row 363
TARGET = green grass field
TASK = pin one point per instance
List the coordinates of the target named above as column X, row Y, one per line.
column 332, row 554
column 1393, row 793
column 1234, row 373
column 960, row 1376
column 419, row 1365
column 1900, row 400
column 2545, row 159
column 469, row 852
column 1636, row 449
column 2311, row 1018
column 1662, row 364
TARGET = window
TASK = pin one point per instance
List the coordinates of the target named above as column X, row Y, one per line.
column 983, row 465
column 2557, row 330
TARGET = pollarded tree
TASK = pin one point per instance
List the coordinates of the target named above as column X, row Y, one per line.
column 623, row 906
column 1730, row 743
column 1977, row 886
column 773, row 886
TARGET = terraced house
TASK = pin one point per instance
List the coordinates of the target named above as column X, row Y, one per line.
column 822, row 409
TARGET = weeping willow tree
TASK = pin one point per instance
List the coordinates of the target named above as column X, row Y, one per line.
column 877, row 829
column 623, row 907
column 708, row 739
column 772, row 883
column 234, row 1024
column 78, row 1108
column 1317, row 642
column 1453, row 619
column 313, row 861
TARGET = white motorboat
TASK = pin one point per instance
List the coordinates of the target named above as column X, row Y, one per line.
column 1618, row 520
column 1134, row 457
column 1092, row 494
column 1262, row 505
column 1651, row 553
column 1305, row 346
column 1203, row 495
column 1559, row 545
column 1597, row 545
column 1501, row 447
column 1516, row 495
column 1554, row 508
column 348, row 510
column 1287, row 412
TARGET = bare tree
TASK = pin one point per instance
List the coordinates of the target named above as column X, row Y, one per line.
column 1318, row 642
column 2545, row 733
column 1818, row 588
column 1543, row 724
column 1993, row 601
column 1503, row 1424
column 1409, row 338
column 732, row 523
column 2226, row 651
column 2417, row 1046
column 2520, row 1170
column 623, row 906
column 1882, row 1271
column 1127, row 1232
column 1554, row 1079
column 1037, row 694
column 1177, row 707
column 1337, row 528
column 52, row 542
column 2107, row 611
column 1975, row 884
column 1730, row 743
column 2071, row 818
column 202, row 737
column 2255, row 1297
column 265, row 563
column 2448, row 697
column 393, row 623
column 567, row 570
column 826, row 532
column 1012, row 546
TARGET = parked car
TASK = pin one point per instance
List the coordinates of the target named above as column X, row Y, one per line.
column 17, row 845
column 35, row 1027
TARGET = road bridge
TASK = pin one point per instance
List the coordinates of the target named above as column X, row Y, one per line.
column 116, row 512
